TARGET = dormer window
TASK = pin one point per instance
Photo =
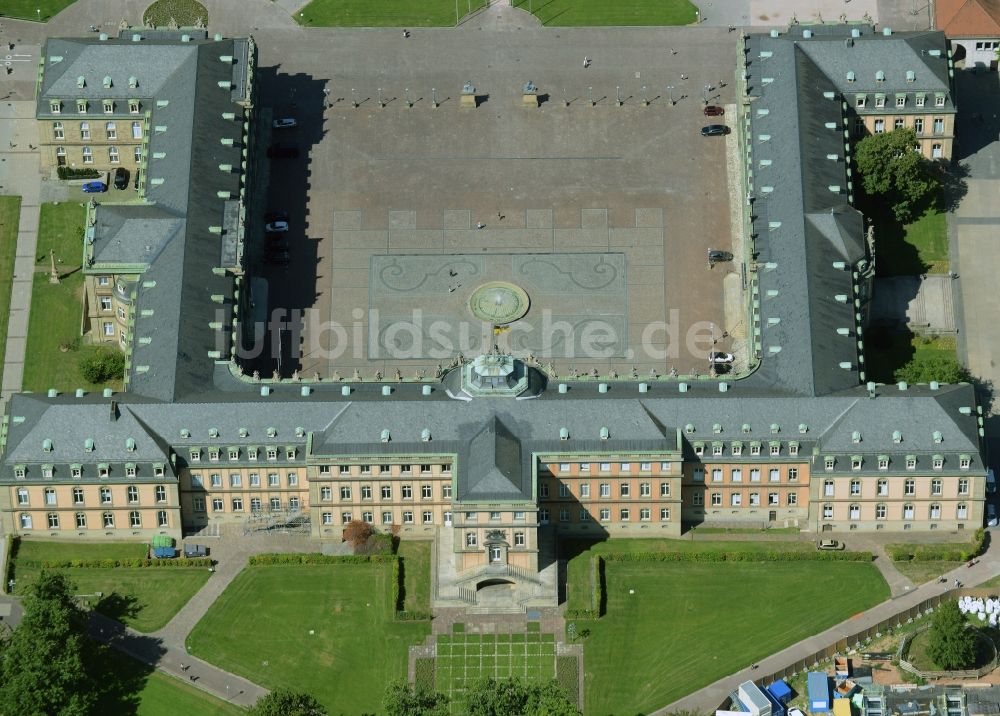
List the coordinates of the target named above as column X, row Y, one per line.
column 856, row 462
column 699, row 449
column 157, row 470
column 964, row 462
column 775, row 448
column 252, row 453
column 133, row 106
column 81, row 106
column 76, row 471
column 755, row 448
column 195, row 455
column 911, row 462
column 55, row 106
column 883, row 462
column 234, row 453
column 103, row 471
column 213, row 454
column 272, row 453
column 859, row 100
column 793, row 449
column 937, row 462
column 939, row 100
column 879, row 101
column 737, row 449
column 109, row 106
column 130, row 470
column 919, row 100
column 290, row 452
column 47, row 471
column 19, row 472
column 901, row 100
column 716, row 449
column 880, row 76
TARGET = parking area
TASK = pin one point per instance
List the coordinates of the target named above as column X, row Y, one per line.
column 603, row 213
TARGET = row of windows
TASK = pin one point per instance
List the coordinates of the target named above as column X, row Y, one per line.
column 77, row 471
column 114, row 157
column 861, row 100
column 385, row 492
column 753, row 499
column 736, row 448
column 109, row 331
column 583, row 489
column 472, row 540
column 909, row 487
column 108, row 105
column 908, row 512
column 426, row 517
column 256, row 504
column 234, row 453
column 899, row 123
column 106, row 495
column 625, row 514
column 754, row 474
column 565, row 467
column 252, row 479
column 884, row 462
column 110, row 130
column 107, row 520
column 424, row 469
column 105, row 303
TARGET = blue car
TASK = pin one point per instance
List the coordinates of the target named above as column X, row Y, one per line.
column 94, row 187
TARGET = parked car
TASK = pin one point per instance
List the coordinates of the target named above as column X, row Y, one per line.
column 195, row 550
column 279, row 258
column 991, row 515
column 829, row 544
column 277, row 245
column 121, row 178
column 714, row 130
column 713, row 110
column 720, row 358
column 279, row 215
column 284, row 123
column 94, row 187
column 715, row 256
column 276, row 226
column 991, row 482
column 283, row 151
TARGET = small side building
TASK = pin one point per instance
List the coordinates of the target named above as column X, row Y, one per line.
column 973, row 27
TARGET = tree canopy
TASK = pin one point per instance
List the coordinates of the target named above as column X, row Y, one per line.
column 515, row 697
column 285, row 702
column 401, row 699
column 942, row 368
column 952, row 643
column 43, row 662
column 890, row 168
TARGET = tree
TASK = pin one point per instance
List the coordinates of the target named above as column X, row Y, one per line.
column 515, row 697
column 889, row 167
column 924, row 369
column 952, row 643
column 42, row 664
column 285, row 702
column 103, row 364
column 400, row 699
column 357, row 532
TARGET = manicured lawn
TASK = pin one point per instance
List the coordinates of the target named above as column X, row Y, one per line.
column 385, row 13
column 10, row 208
column 54, row 341
column 27, row 9
column 184, row 12
column 913, row 249
column 689, row 624
column 920, row 572
column 132, row 687
column 416, row 575
column 890, row 351
column 575, row 13
column 323, row 629
column 37, row 551
column 464, row 658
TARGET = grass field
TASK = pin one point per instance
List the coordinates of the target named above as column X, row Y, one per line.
column 57, row 309
column 464, row 658
column 323, row 629
column 576, row 13
column 894, row 350
column 132, row 687
column 385, row 13
column 416, row 557
column 33, row 9
column 689, row 624
column 912, row 249
column 920, row 572
column 184, row 12
column 10, row 209
column 145, row 599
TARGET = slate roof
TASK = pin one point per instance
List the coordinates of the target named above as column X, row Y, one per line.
column 133, row 235
column 968, row 18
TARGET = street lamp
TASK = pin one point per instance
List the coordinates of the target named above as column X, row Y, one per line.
column 38, row 11
column 326, row 97
column 670, row 94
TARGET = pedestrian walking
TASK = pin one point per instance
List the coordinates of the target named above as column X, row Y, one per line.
column 684, row 77
column 480, row 225
column 586, row 62
column 499, row 216
column 673, row 51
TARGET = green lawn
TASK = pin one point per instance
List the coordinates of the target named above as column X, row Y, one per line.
column 575, row 13
column 416, row 575
column 920, row 572
column 184, row 12
column 385, row 13
column 28, row 9
column 144, row 598
column 54, row 342
column 689, row 624
column 887, row 352
column 913, row 249
column 132, row 687
column 323, row 629
column 10, row 210
column 464, row 658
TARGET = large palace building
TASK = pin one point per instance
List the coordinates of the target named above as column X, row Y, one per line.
column 496, row 455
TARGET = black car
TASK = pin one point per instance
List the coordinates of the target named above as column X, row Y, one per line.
column 714, row 130
column 121, row 178
column 283, row 150
column 716, row 256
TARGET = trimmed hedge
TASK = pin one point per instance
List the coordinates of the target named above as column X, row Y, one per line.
column 77, row 173
column 961, row 552
column 108, row 563
column 568, row 676
column 8, row 565
column 597, row 594
column 268, row 559
column 739, row 556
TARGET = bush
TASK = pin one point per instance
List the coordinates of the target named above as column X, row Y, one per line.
column 134, row 562
column 357, row 532
column 313, row 558
column 77, row 173
column 376, row 544
column 103, row 364
column 739, row 556
column 961, row 552
column 924, row 369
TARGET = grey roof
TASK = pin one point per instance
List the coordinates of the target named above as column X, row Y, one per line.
column 133, row 235
column 494, row 469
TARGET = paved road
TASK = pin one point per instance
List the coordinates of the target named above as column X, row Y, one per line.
column 707, row 699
